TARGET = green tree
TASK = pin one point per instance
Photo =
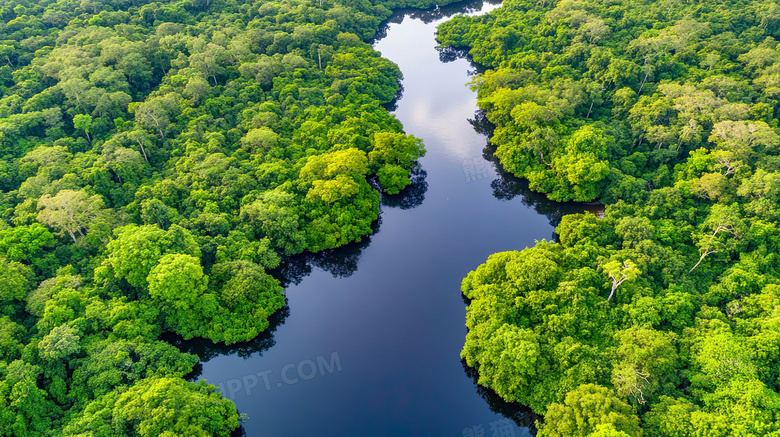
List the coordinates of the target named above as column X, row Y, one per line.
column 197, row 88
column 247, row 297
column 158, row 406
column 393, row 178
column 395, row 149
column 15, row 281
column 510, row 359
column 113, row 363
column 585, row 410
column 60, row 343
column 260, row 139
column 23, row 243
column 26, row 409
column 83, row 122
column 137, row 250
column 178, row 283
column 156, row 114
column 582, row 163
column 719, row 232
column 275, row 216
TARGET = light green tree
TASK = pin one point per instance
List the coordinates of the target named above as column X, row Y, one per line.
column 137, row 250
column 261, row 139
column 70, row 211
column 619, row 272
column 587, row 408
column 178, row 283
column 60, row 342
column 159, row 406
column 83, row 122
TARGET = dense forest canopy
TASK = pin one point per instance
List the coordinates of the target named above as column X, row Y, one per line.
column 602, row 99
column 156, row 159
column 662, row 318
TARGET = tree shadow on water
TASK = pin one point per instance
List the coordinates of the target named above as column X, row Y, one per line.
column 342, row 262
column 205, row 349
column 392, row 105
column 430, row 15
column 238, row 432
column 521, row 415
column 507, row 186
column 451, row 54
column 441, row 12
column 413, row 195
column 482, row 125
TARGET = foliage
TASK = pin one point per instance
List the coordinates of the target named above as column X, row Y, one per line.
column 158, row 406
column 659, row 319
column 590, row 96
column 156, row 158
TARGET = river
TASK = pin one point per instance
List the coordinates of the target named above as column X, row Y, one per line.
column 369, row 343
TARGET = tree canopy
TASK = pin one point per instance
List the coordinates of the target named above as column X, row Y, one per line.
column 658, row 319
column 157, row 159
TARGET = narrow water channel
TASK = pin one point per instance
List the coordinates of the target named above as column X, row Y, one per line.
column 369, row 344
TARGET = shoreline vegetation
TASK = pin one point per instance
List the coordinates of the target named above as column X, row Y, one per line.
column 156, row 160
column 662, row 318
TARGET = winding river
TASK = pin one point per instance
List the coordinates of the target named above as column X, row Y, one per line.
column 369, row 343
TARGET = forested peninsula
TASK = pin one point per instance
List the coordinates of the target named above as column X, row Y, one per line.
column 156, row 160
column 662, row 318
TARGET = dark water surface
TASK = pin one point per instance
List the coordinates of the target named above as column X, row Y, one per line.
column 369, row 344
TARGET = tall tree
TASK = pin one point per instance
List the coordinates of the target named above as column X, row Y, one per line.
column 70, row 211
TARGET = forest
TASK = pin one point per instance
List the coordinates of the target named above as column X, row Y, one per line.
column 663, row 318
column 157, row 159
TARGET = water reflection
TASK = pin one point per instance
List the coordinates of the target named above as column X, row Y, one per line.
column 521, row 415
column 206, row 349
column 431, row 15
column 392, row 106
column 413, row 195
column 340, row 262
column 482, row 125
column 508, row 186
column 452, row 54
